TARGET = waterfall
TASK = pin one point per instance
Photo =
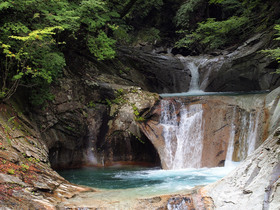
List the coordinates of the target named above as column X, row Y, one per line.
column 247, row 136
column 253, row 131
column 194, row 86
column 183, row 135
column 192, row 64
column 230, row 149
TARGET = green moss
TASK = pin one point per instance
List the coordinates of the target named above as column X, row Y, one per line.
column 11, row 171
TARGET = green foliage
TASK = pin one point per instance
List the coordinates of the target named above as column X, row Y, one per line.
column 137, row 114
column 34, row 32
column 185, row 14
column 232, row 22
column 33, row 160
column 215, row 1
column 24, row 167
column 91, row 104
column 214, row 34
column 275, row 53
column 149, row 35
column 41, row 94
column 101, row 46
column 11, row 171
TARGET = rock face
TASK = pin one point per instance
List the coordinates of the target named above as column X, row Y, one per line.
column 226, row 121
column 163, row 73
column 254, row 184
column 26, row 179
column 243, row 69
column 91, row 121
column 238, row 69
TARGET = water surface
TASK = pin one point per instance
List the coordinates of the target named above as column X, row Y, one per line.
column 139, row 181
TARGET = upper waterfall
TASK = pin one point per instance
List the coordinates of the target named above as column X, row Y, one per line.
column 192, row 64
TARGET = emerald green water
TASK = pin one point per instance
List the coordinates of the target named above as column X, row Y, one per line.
column 144, row 180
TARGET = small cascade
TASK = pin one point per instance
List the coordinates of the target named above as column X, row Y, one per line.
column 253, row 131
column 230, row 149
column 194, row 86
column 90, row 154
column 192, row 64
column 247, row 136
column 183, row 135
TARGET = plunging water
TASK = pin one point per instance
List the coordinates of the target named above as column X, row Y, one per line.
column 192, row 64
column 247, row 137
column 183, row 135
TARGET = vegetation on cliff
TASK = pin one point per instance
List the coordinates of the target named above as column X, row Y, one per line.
column 34, row 35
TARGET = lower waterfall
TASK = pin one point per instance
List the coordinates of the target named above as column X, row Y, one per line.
column 183, row 135
column 205, row 133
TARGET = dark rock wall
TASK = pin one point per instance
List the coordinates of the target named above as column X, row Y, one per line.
column 242, row 68
column 75, row 125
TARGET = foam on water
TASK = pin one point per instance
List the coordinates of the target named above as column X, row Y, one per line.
column 145, row 181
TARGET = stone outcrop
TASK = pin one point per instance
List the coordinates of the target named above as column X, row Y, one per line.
column 91, row 120
column 244, row 69
column 26, row 178
column 254, row 183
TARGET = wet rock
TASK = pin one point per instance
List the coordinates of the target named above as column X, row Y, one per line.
column 124, row 141
column 254, row 183
column 5, row 178
column 26, row 179
column 240, row 69
column 180, row 203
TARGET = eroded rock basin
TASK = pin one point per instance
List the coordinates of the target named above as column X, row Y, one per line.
column 131, row 187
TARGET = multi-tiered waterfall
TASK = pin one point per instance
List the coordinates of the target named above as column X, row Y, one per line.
column 205, row 131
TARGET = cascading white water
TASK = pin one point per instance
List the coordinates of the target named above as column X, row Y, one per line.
column 253, row 131
column 183, row 135
column 230, row 149
column 247, row 136
column 193, row 65
column 194, row 86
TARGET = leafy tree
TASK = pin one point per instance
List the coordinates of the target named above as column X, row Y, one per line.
column 275, row 53
column 213, row 34
column 33, row 33
column 235, row 21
